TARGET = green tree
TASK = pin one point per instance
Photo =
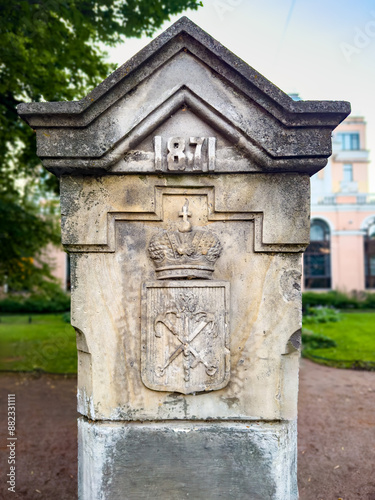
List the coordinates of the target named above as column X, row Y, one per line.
column 49, row 50
column 24, row 235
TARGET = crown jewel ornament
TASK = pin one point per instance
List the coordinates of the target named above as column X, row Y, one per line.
column 185, row 253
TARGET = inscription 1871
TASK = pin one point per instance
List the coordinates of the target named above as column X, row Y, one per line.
column 179, row 153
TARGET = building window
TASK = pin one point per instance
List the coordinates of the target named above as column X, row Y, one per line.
column 370, row 256
column 347, row 172
column 349, row 141
column 317, row 258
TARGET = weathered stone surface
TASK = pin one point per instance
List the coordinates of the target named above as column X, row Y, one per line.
column 185, row 336
column 277, row 205
column 181, row 460
column 265, row 289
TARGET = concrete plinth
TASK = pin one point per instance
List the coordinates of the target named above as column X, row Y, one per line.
column 176, row 460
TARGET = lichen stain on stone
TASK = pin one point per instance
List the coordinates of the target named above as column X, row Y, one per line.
column 290, row 283
column 231, row 402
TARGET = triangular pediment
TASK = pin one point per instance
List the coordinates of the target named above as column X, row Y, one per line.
column 206, row 140
column 184, row 66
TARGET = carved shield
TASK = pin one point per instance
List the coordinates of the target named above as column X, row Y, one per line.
column 185, row 336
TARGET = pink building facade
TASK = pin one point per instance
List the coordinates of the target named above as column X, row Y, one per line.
column 341, row 255
column 59, row 261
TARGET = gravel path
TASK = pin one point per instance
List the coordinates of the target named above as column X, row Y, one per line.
column 336, row 435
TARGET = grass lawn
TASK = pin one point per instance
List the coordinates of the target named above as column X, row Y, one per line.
column 355, row 339
column 47, row 343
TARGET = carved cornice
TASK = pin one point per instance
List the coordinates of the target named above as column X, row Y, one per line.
column 184, row 35
column 275, row 132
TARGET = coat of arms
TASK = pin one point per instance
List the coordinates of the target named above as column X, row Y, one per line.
column 185, row 339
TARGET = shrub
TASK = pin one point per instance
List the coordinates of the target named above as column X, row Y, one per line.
column 311, row 340
column 322, row 315
column 339, row 300
column 369, row 302
column 66, row 317
column 36, row 303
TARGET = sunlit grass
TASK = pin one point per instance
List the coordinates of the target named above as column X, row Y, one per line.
column 355, row 341
column 37, row 342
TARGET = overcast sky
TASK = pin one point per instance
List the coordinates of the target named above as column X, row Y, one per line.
column 322, row 49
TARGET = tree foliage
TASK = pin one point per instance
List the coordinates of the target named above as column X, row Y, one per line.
column 24, row 234
column 50, row 50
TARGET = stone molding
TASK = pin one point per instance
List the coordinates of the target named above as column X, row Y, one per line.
column 274, row 132
column 257, row 217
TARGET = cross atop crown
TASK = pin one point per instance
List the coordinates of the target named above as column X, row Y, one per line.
column 185, row 253
column 185, row 225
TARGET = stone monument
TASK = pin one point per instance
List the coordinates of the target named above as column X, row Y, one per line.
column 185, row 209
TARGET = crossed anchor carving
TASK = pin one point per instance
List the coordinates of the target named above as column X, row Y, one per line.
column 202, row 322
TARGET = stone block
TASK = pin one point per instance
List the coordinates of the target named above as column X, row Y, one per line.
column 177, row 460
column 108, row 279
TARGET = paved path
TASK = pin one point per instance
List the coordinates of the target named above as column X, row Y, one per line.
column 336, row 435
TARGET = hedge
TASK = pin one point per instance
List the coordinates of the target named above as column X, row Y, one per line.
column 339, row 300
column 59, row 302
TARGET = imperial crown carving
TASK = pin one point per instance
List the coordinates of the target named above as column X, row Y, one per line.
column 186, row 252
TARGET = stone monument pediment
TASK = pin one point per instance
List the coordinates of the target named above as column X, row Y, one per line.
column 184, row 68
column 207, row 142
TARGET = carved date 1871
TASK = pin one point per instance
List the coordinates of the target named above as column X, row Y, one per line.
column 178, row 153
